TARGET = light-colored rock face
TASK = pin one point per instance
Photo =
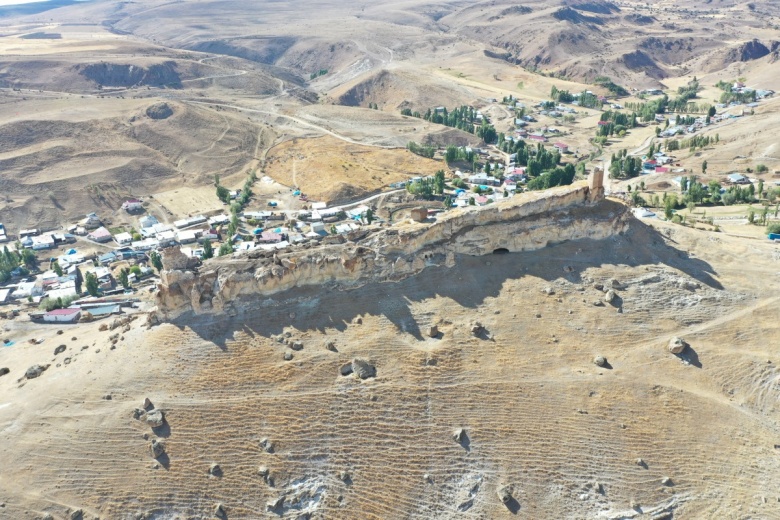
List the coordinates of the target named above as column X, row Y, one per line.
column 523, row 223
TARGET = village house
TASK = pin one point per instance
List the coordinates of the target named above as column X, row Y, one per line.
column 91, row 221
column 188, row 222
column 737, row 178
column 28, row 232
column 62, row 316
column 123, row 239
column 3, row 236
column 187, row 237
column 132, row 205
column 561, row 147
column 39, row 243
column 269, row 237
column 100, row 235
column 147, row 221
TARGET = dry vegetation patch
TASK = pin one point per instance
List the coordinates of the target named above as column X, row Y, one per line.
column 330, row 169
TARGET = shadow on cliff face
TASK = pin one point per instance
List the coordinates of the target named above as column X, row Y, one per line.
column 469, row 283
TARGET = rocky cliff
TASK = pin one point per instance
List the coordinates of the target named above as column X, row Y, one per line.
column 523, row 223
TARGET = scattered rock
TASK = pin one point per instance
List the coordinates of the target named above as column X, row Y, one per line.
column 103, row 327
column 433, row 331
column 331, row 346
column 78, row 514
column 47, row 516
column 35, row 371
column 549, row 291
column 59, row 333
column 427, row 478
column 615, row 284
column 568, row 269
column 215, row 470
column 263, row 471
column 155, row 418
column 459, row 434
column 4, row 371
column 219, row 511
column 600, row 361
column 344, row 476
column 598, row 286
column 267, row 445
column 641, row 462
column 60, row 349
column 363, row 369
column 66, row 361
column 147, row 404
column 297, row 345
column 358, row 321
column 477, row 328
column 288, row 355
column 346, row 369
column 505, row 494
column 538, row 315
column 610, row 296
column 677, row 345
column 598, row 303
column 273, row 505
column 107, row 397
column 666, row 481
column 138, row 413
column 157, row 448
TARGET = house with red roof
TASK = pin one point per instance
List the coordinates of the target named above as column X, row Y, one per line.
column 63, row 316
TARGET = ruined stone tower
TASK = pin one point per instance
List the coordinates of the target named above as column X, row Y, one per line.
column 596, row 185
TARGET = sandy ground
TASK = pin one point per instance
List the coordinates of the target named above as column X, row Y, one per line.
column 707, row 419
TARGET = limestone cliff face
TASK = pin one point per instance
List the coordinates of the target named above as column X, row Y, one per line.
column 523, row 223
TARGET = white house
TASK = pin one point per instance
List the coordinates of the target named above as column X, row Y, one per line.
column 147, row 221
column 123, row 239
column 43, row 242
column 132, row 205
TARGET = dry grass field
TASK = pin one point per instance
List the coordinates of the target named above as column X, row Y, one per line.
column 538, row 414
column 331, row 170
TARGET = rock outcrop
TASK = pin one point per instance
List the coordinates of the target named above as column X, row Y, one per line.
column 526, row 222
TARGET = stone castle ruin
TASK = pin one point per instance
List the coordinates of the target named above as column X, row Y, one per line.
column 526, row 222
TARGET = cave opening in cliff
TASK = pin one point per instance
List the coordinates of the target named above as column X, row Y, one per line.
column 500, row 251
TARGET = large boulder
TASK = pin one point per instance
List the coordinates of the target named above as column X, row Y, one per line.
column 600, row 361
column 155, row 418
column 159, row 111
column 363, row 369
column 157, row 448
column 35, row 371
column 677, row 345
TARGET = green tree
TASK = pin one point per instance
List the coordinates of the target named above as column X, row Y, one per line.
column 57, row 269
column 223, row 194
column 92, row 284
column 136, row 270
column 472, row 202
column 760, row 190
column 208, row 250
column 447, row 201
column 369, row 216
column 704, row 167
column 438, row 182
column 28, row 257
column 684, row 184
column 156, row 260
column 123, row 278
column 225, row 249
